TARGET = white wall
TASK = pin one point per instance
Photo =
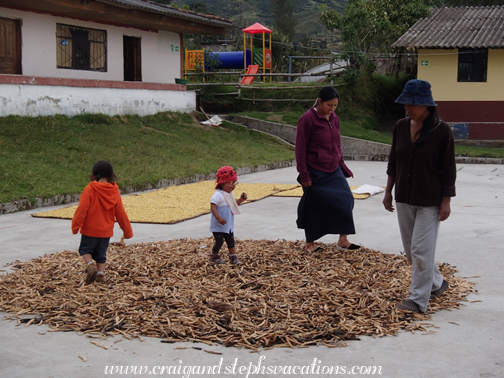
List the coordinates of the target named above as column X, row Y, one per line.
column 160, row 63
column 46, row 100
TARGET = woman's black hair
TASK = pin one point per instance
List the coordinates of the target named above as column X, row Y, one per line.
column 429, row 124
column 328, row 93
column 103, row 169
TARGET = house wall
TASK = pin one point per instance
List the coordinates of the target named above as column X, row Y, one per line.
column 442, row 74
column 160, row 63
column 32, row 96
column 474, row 110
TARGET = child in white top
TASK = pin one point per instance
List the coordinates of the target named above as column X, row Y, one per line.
column 224, row 207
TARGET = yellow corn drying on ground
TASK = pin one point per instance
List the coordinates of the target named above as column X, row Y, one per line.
column 177, row 203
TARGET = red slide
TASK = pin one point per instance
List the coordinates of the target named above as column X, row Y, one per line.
column 252, row 69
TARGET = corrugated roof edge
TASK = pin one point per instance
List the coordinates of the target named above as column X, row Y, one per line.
column 170, row 10
column 420, row 36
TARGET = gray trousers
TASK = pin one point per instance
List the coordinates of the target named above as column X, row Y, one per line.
column 419, row 230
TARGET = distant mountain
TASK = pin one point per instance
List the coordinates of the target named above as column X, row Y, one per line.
column 247, row 12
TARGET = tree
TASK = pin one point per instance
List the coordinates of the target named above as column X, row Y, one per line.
column 199, row 8
column 369, row 27
column 283, row 16
column 280, row 54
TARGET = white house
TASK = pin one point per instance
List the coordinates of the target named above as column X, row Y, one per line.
column 96, row 56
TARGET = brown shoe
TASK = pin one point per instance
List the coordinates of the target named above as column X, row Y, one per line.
column 100, row 278
column 90, row 273
column 233, row 259
column 216, row 259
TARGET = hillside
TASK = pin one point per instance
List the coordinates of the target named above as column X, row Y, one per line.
column 247, row 12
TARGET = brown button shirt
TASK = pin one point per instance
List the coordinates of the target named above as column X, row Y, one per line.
column 423, row 174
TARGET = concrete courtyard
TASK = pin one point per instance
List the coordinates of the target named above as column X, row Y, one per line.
column 467, row 343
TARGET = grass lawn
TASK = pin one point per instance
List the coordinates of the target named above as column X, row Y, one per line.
column 355, row 129
column 45, row 156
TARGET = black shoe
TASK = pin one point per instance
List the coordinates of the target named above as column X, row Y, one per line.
column 351, row 247
column 437, row 293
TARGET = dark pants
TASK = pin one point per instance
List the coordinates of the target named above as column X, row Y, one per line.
column 96, row 247
column 219, row 241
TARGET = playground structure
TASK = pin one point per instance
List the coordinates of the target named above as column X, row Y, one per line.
column 250, row 60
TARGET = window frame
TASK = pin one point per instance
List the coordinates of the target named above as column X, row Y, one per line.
column 472, row 65
column 91, row 53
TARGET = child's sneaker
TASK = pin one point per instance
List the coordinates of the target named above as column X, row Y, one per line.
column 216, row 259
column 233, row 259
column 100, row 278
column 91, row 272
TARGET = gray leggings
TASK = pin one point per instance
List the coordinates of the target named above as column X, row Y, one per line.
column 419, row 230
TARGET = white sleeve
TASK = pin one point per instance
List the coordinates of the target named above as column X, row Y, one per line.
column 218, row 199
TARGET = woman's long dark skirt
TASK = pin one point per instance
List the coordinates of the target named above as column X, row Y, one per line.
column 326, row 206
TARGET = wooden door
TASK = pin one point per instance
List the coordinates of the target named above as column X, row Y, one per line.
column 10, row 46
column 132, row 59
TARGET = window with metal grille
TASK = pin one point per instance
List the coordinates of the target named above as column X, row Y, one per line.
column 81, row 48
column 472, row 65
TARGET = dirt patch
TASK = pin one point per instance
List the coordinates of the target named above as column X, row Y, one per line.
column 197, row 118
column 276, row 118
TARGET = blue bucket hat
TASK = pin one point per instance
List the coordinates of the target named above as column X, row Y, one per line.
column 416, row 92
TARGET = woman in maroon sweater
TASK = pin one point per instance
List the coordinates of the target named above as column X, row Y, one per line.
column 327, row 202
column 422, row 169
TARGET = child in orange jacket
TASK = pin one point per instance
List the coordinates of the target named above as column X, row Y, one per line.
column 99, row 206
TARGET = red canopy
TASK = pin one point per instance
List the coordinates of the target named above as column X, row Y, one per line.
column 256, row 29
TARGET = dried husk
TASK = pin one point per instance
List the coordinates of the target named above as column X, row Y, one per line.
column 280, row 296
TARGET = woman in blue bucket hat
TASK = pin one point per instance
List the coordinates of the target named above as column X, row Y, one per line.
column 422, row 168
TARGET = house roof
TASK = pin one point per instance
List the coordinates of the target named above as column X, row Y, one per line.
column 459, row 27
column 154, row 7
column 143, row 14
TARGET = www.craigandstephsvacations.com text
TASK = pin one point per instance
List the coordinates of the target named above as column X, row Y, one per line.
column 251, row 369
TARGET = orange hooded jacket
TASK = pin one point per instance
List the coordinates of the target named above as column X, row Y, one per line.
column 100, row 205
